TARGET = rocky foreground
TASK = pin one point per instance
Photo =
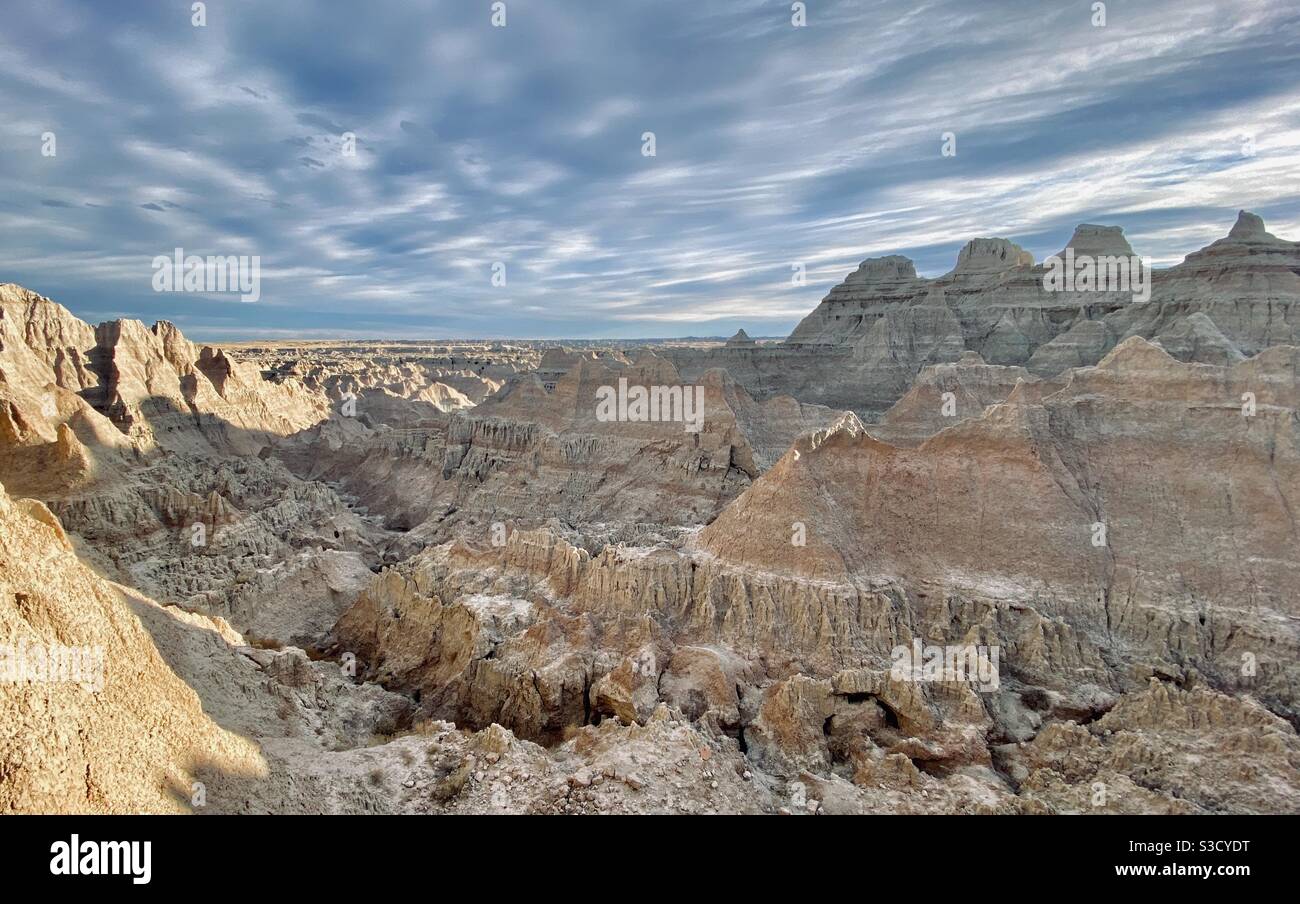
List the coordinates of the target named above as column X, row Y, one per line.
column 431, row 578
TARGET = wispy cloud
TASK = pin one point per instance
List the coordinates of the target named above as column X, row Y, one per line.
column 517, row 151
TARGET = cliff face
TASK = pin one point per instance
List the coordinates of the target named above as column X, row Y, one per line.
column 863, row 345
column 1138, row 503
column 150, row 386
column 1006, row 313
column 120, row 732
column 542, row 637
column 153, row 383
column 40, row 339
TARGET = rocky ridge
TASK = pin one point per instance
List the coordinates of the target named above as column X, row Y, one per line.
column 864, row 344
column 350, row 590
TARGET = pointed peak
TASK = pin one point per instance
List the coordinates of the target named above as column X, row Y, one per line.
column 1137, row 353
column 846, row 425
column 12, row 291
column 741, row 338
column 1249, row 225
column 645, row 356
column 1027, row 392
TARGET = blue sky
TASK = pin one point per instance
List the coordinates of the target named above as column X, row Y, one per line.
column 775, row 145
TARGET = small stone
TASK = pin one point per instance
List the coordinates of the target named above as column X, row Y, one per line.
column 581, row 778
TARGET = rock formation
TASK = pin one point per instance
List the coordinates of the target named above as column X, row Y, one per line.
column 958, row 545
column 874, row 332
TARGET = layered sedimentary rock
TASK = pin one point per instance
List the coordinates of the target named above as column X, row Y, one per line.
column 540, row 450
column 984, row 533
column 944, row 394
column 174, row 713
column 542, row 637
column 1144, row 503
column 863, row 345
column 147, row 447
column 154, row 383
column 381, row 599
column 150, row 386
column 446, row 377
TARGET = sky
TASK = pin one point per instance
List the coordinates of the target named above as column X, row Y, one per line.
column 519, row 152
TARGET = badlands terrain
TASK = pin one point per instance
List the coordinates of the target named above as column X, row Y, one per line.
column 428, row 577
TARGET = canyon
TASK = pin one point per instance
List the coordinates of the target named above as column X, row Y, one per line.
column 430, row 577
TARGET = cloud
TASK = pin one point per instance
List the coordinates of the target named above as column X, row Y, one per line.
column 522, row 145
